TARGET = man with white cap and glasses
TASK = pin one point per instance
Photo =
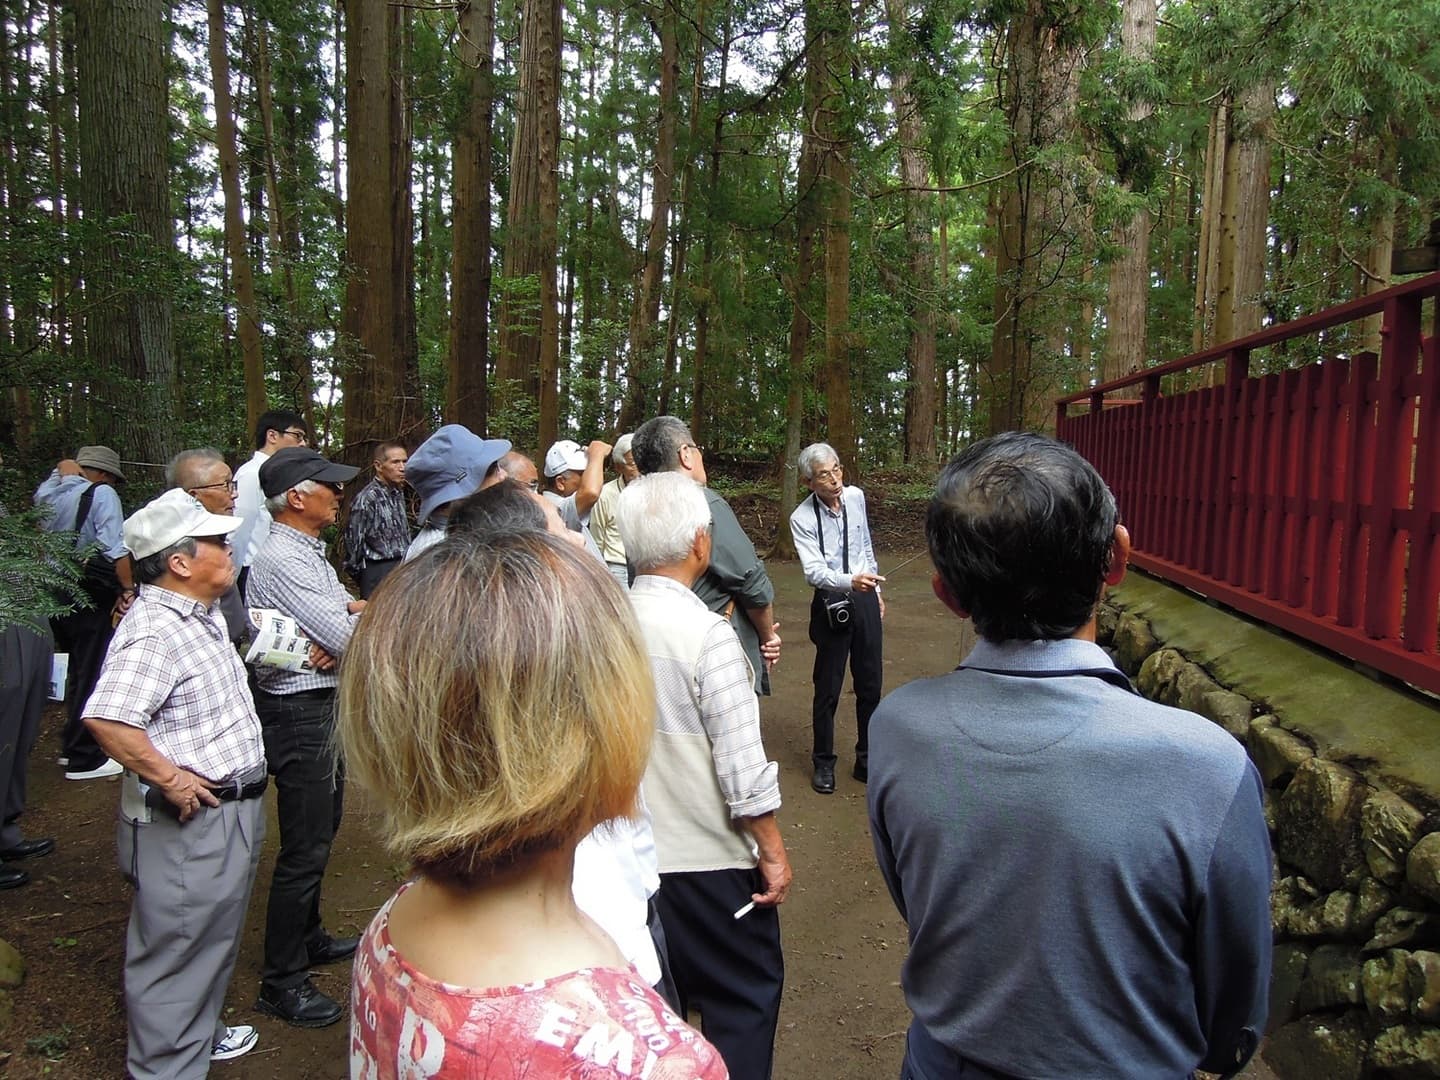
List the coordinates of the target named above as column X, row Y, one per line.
column 81, row 498
column 296, row 708
column 172, row 706
column 576, row 476
column 452, row 463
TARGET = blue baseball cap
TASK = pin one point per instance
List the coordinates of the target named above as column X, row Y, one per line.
column 450, row 465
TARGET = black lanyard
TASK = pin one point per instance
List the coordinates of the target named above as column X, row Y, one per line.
column 844, row 526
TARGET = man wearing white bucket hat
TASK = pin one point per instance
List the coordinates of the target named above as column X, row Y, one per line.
column 173, row 707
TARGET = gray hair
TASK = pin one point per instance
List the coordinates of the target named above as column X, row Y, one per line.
column 659, row 516
column 622, row 447
column 153, row 567
column 656, row 445
column 278, row 502
column 186, row 463
column 815, row 456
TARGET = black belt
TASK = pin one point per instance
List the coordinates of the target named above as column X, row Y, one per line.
column 237, row 791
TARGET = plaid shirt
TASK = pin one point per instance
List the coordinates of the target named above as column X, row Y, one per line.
column 378, row 528
column 172, row 672
column 292, row 576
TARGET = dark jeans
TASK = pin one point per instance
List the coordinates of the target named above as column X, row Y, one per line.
column 85, row 635
column 373, row 573
column 309, row 800
column 860, row 643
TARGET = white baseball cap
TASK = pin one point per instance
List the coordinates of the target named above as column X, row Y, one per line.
column 169, row 518
column 565, row 455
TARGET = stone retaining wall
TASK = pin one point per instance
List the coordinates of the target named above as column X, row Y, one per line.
column 1356, row 902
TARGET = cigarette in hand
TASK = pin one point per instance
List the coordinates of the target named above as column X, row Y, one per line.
column 745, row 910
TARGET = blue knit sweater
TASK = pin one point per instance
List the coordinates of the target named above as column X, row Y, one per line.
column 1085, row 874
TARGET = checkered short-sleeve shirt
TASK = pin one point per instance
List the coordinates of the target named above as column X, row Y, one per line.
column 171, row 671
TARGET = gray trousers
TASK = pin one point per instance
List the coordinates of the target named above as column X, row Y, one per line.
column 24, row 683
column 192, row 886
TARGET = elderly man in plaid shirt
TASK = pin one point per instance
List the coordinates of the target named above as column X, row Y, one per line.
column 291, row 574
column 172, row 706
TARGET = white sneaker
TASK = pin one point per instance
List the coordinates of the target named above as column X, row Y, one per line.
column 110, row 768
column 238, row 1040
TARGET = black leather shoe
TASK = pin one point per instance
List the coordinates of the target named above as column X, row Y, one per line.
column 823, row 779
column 332, row 949
column 861, row 771
column 28, row 849
column 303, row 1005
column 13, row 879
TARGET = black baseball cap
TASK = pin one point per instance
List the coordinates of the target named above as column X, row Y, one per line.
column 290, row 466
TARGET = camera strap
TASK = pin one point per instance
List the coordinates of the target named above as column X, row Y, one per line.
column 844, row 529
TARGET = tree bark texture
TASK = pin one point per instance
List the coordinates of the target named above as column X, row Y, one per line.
column 1038, row 92
column 644, row 369
column 379, row 403
column 1127, row 302
column 528, row 358
column 806, row 297
column 247, row 313
column 121, row 57
column 467, row 361
column 921, row 288
column 833, row 122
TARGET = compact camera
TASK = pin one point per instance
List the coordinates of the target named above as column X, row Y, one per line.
column 837, row 610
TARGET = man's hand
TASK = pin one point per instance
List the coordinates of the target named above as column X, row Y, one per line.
column 865, row 582
column 122, row 605
column 598, row 446
column 68, row 467
column 775, row 873
column 354, row 607
column 321, row 660
column 187, row 793
column 770, row 647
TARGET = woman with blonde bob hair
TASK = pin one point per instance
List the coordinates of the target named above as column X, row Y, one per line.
column 496, row 703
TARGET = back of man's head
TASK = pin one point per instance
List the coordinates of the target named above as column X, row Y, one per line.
column 1020, row 530
column 658, row 517
column 277, row 420
column 506, row 507
column 656, row 444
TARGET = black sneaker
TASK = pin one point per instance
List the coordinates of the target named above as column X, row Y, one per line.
column 861, row 771
column 303, row 1005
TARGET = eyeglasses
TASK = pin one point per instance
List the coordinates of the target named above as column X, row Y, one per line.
column 693, row 446
column 300, row 436
column 220, row 541
column 826, row 475
column 337, row 486
column 229, row 485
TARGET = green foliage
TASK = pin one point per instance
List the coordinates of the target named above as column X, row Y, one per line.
column 39, row 572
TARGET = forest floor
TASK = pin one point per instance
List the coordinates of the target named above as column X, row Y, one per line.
column 843, row 1015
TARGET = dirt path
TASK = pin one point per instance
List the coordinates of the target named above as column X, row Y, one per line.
column 843, row 1016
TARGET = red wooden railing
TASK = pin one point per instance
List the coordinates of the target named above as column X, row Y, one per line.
column 1309, row 499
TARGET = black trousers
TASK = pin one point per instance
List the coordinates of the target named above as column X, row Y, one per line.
column 85, row 635
column 309, row 800
column 373, row 574
column 732, row 971
column 860, row 644
column 24, row 678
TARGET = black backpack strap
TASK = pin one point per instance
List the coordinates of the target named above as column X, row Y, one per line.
column 82, row 510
